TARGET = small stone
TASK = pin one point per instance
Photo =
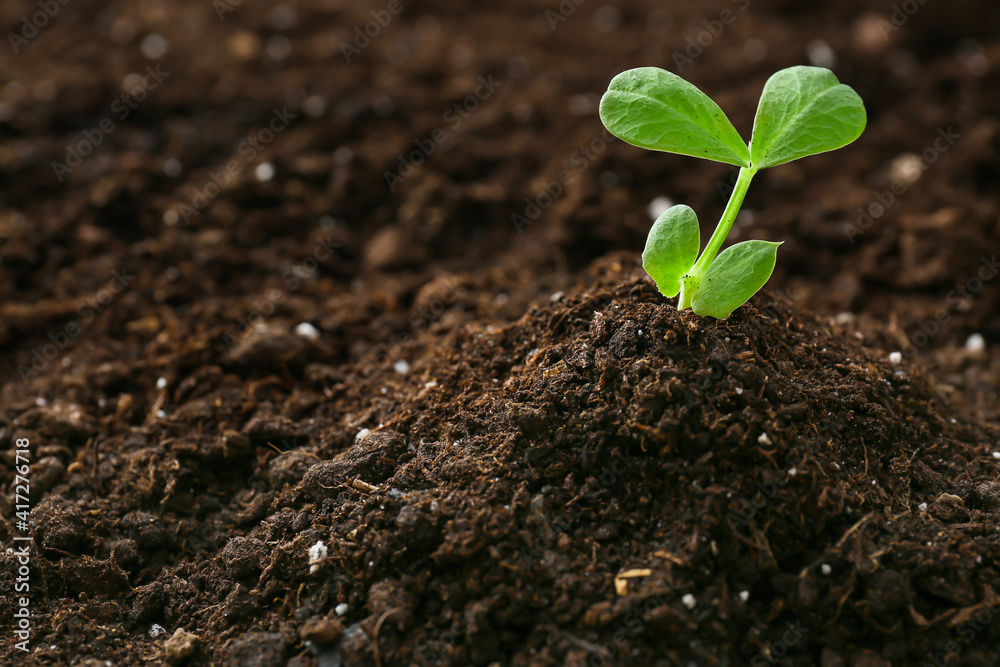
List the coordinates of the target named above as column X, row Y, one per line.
column 264, row 171
column 820, row 54
column 181, row 646
column 744, row 596
column 307, row 330
column 341, row 609
column 895, row 358
column 950, row 499
column 765, row 439
column 975, row 343
column 321, row 629
column 172, row 167
column 317, row 554
column 154, row 46
column 156, row 631
column 267, row 344
column 906, row 168
column 658, row 206
column 689, row 601
column 825, row 569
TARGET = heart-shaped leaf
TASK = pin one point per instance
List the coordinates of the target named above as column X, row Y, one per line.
column 671, row 248
column 735, row 276
column 804, row 111
column 652, row 108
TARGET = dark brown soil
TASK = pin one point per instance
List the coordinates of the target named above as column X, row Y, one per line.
column 514, row 451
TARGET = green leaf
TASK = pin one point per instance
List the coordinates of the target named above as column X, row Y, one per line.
column 671, row 248
column 804, row 111
column 656, row 109
column 735, row 276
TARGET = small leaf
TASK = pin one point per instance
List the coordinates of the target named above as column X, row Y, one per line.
column 671, row 248
column 735, row 276
column 804, row 111
column 656, row 109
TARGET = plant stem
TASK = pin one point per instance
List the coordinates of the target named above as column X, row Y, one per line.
column 688, row 288
column 722, row 230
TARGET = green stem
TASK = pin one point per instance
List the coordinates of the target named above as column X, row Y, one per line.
column 688, row 287
column 722, row 231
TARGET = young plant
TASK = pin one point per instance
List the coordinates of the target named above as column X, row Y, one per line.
column 803, row 111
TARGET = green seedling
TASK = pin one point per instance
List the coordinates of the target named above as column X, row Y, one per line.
column 802, row 111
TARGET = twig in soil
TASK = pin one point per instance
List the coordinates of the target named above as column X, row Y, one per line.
column 363, row 486
column 378, row 627
column 860, row 522
column 587, row 646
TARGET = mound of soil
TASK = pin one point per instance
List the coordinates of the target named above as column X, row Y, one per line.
column 543, row 488
column 605, row 481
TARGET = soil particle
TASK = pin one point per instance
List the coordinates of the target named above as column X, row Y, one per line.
column 243, row 557
column 268, row 345
column 181, row 646
column 256, row 649
column 289, row 468
column 373, row 463
column 321, row 629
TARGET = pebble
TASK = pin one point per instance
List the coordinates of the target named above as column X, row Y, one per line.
column 689, row 601
column 975, row 343
column 264, row 171
column 895, row 358
column 820, row 54
column 307, row 330
column 657, row 207
column 906, row 168
column 173, row 167
column 321, row 629
column 154, row 46
column 765, row 440
column 181, row 646
column 341, row 609
column 317, row 554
